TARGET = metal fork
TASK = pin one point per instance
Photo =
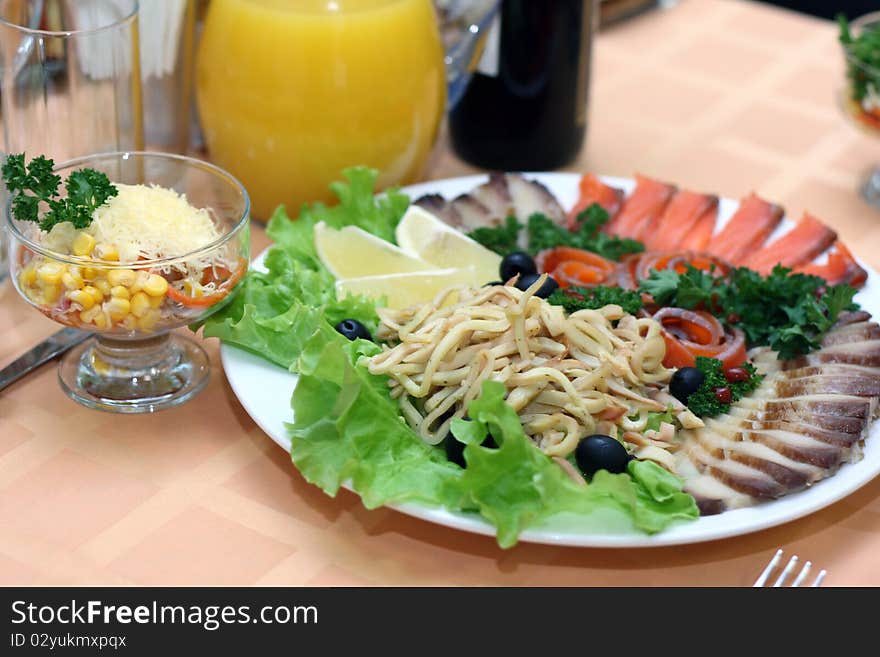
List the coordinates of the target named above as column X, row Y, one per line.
column 788, row 570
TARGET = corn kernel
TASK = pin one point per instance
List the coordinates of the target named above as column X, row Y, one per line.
column 51, row 294
column 83, row 298
column 124, row 277
column 89, row 273
column 155, row 302
column 139, row 281
column 129, row 323
column 27, row 277
column 71, row 279
column 50, row 273
column 106, row 252
column 149, row 320
column 120, row 291
column 156, row 286
column 103, row 285
column 83, row 244
column 140, row 304
column 193, row 290
column 117, row 308
column 101, row 321
column 94, row 292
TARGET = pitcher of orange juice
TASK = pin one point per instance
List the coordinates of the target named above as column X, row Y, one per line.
column 290, row 93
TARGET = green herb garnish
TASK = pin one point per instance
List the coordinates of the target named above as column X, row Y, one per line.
column 863, row 61
column 500, row 239
column 704, row 402
column 575, row 298
column 87, row 190
column 788, row 312
column 544, row 233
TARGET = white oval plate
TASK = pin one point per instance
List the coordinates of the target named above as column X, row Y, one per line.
column 265, row 390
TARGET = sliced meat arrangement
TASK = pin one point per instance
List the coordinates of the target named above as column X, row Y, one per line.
column 809, row 416
column 666, row 219
column 489, row 204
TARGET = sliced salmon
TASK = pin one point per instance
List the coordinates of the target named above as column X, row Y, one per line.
column 641, row 209
column 701, row 234
column 800, row 245
column 593, row 190
column 840, row 268
column 681, row 216
column 747, row 230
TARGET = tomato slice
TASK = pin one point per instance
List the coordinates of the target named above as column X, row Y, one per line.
column 224, row 287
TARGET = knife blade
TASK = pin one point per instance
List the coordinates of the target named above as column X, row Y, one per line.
column 53, row 346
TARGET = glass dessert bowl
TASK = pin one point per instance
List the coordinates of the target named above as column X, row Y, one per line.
column 860, row 96
column 165, row 251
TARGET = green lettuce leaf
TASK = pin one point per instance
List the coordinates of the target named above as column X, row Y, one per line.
column 273, row 312
column 346, row 426
column 516, row 485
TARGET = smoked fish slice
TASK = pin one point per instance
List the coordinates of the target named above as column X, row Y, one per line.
column 592, row 190
column 840, row 268
column 747, row 230
column 798, row 246
column 681, row 216
column 641, row 208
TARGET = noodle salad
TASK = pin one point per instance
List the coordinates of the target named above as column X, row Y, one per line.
column 517, row 381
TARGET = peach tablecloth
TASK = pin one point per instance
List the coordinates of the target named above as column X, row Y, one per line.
column 718, row 95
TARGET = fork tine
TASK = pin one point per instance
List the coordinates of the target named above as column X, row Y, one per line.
column 819, row 578
column 785, row 573
column 803, row 574
column 762, row 578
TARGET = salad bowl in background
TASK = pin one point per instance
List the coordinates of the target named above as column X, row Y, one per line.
column 133, row 363
column 859, row 97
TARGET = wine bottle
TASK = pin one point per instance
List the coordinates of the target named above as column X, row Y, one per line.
column 525, row 106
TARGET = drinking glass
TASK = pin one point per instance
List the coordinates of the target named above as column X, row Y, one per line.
column 69, row 80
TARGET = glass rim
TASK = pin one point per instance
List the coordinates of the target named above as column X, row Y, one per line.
column 69, row 259
column 128, row 18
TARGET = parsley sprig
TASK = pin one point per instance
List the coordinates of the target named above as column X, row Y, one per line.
column 789, row 312
column 704, row 402
column 544, row 233
column 576, row 298
column 35, row 183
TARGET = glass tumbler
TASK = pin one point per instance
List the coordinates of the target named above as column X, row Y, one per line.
column 69, row 79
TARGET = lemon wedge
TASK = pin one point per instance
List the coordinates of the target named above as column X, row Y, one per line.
column 406, row 289
column 431, row 239
column 352, row 252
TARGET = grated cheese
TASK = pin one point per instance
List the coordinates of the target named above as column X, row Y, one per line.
column 151, row 222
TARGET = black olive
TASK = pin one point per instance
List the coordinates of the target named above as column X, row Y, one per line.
column 549, row 286
column 600, row 452
column 516, row 263
column 353, row 329
column 685, row 382
column 493, row 283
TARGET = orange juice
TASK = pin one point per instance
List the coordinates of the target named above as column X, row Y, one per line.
column 290, row 92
